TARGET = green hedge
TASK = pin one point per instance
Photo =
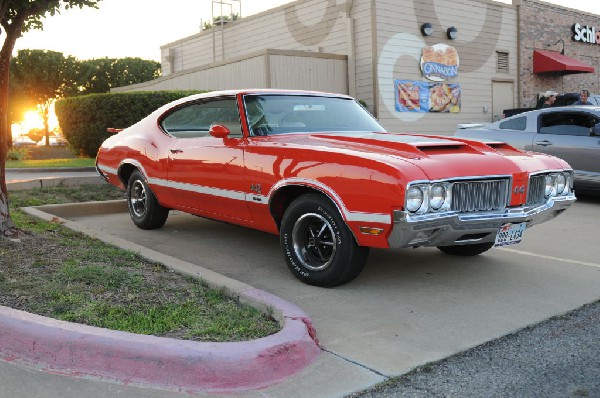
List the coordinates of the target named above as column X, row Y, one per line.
column 84, row 119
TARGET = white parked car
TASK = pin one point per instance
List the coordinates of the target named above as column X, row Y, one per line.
column 23, row 141
column 54, row 141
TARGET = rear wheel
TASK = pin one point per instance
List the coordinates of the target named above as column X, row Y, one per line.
column 318, row 247
column 144, row 209
column 467, row 250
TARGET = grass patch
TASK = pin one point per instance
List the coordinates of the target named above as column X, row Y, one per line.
column 68, row 162
column 57, row 195
column 59, row 273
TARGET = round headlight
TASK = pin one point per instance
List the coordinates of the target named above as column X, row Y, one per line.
column 549, row 189
column 437, row 196
column 561, row 183
column 414, row 199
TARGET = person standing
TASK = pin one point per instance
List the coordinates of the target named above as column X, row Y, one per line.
column 583, row 98
column 550, row 98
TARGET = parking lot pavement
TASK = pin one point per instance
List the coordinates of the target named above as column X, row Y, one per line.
column 409, row 307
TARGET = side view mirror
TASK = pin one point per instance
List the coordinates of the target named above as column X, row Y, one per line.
column 595, row 131
column 219, row 131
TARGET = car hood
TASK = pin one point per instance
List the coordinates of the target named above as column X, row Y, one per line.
column 438, row 157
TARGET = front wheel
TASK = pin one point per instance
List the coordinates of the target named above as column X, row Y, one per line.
column 467, row 250
column 144, row 209
column 318, row 247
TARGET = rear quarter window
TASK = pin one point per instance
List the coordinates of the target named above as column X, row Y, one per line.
column 518, row 123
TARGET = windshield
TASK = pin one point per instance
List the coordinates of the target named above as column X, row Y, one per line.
column 281, row 114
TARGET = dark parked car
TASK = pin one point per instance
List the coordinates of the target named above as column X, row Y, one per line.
column 571, row 133
column 561, row 100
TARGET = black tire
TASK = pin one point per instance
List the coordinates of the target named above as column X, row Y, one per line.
column 467, row 250
column 318, row 247
column 144, row 209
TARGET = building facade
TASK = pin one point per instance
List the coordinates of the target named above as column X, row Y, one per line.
column 422, row 66
column 548, row 27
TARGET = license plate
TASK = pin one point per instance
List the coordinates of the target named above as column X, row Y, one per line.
column 509, row 234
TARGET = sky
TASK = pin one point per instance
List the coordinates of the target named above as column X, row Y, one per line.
column 137, row 28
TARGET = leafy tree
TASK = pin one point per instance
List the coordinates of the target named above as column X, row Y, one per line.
column 36, row 134
column 16, row 18
column 42, row 76
column 100, row 75
column 220, row 20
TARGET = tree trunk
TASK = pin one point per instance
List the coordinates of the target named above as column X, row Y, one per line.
column 7, row 227
column 46, row 116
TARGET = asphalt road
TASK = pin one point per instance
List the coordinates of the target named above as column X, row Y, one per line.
column 556, row 358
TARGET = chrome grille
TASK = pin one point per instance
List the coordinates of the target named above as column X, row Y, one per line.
column 483, row 195
column 537, row 189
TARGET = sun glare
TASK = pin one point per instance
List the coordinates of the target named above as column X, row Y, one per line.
column 32, row 120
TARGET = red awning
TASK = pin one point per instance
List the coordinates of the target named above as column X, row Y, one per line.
column 551, row 61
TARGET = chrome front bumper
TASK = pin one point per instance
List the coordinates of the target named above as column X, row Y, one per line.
column 452, row 228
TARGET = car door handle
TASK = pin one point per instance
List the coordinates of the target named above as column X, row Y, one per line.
column 543, row 143
column 176, row 150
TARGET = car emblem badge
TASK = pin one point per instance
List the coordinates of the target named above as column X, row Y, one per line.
column 256, row 188
column 520, row 189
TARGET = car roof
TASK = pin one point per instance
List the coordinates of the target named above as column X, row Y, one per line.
column 555, row 109
column 257, row 91
column 265, row 91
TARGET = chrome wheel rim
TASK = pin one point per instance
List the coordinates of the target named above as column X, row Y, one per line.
column 314, row 241
column 137, row 198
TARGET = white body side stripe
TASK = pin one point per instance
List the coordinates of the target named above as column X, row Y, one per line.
column 107, row 169
column 264, row 200
column 221, row 193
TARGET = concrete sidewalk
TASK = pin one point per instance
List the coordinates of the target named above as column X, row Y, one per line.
column 26, row 178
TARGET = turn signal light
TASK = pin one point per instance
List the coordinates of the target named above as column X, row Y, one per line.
column 370, row 230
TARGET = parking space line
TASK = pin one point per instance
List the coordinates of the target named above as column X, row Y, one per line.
column 565, row 260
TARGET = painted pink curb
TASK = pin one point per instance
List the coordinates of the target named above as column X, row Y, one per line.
column 75, row 349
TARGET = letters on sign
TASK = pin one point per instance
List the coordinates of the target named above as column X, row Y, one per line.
column 439, row 62
column 585, row 34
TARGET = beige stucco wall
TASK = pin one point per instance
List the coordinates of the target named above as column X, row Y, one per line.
column 484, row 27
column 321, row 33
column 313, row 25
column 285, row 69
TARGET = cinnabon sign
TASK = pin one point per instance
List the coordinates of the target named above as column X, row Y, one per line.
column 585, row 34
column 439, row 62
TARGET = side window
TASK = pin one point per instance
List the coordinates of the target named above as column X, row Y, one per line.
column 564, row 123
column 518, row 123
column 194, row 119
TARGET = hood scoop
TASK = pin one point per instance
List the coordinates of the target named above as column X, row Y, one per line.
column 407, row 145
column 445, row 148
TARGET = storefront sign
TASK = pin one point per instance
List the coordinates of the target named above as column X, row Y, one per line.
column 415, row 96
column 439, row 62
column 585, row 34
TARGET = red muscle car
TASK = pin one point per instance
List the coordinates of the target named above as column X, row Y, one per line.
column 318, row 170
